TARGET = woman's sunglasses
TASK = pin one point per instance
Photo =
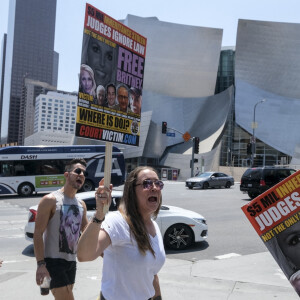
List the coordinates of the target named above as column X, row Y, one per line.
column 148, row 184
column 78, row 171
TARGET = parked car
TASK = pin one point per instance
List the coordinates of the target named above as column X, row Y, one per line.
column 255, row 181
column 179, row 227
column 89, row 199
column 210, row 179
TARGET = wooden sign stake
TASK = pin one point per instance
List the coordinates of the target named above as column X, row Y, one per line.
column 107, row 170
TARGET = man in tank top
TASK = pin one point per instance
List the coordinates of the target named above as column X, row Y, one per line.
column 60, row 219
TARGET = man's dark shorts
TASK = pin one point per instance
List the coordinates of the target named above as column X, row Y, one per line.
column 62, row 272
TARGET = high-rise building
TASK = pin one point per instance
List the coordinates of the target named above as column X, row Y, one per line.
column 54, row 119
column 31, row 90
column 2, row 68
column 55, row 112
column 29, row 53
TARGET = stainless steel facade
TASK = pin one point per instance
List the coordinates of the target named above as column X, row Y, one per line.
column 267, row 66
column 181, row 60
column 179, row 84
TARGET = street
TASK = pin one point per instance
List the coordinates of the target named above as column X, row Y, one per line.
column 232, row 264
column 229, row 232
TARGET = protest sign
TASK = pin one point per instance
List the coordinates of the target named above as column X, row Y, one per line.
column 111, row 80
column 110, row 84
column 275, row 215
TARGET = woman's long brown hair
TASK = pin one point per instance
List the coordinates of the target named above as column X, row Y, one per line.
column 129, row 209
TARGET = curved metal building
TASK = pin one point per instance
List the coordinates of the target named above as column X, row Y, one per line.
column 179, row 83
column 267, row 67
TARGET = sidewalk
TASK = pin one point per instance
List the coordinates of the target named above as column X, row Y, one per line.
column 255, row 276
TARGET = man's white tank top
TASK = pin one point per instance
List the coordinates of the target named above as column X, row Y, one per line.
column 63, row 230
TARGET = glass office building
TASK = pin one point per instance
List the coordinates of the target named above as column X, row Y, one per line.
column 29, row 53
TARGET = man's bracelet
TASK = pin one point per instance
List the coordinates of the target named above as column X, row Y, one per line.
column 157, row 298
column 97, row 221
column 41, row 263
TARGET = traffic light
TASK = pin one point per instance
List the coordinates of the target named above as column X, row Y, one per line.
column 164, row 128
column 196, row 145
column 249, row 148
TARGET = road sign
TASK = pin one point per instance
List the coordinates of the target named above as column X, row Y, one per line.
column 186, row 136
column 253, row 125
column 172, row 134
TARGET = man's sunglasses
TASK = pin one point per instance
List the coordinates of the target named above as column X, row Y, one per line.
column 148, row 184
column 78, row 171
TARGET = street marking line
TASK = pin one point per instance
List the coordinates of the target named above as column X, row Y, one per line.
column 15, row 261
column 13, row 222
column 93, row 277
column 229, row 255
column 16, row 236
column 10, row 275
column 11, row 228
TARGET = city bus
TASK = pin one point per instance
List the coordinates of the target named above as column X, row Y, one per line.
column 24, row 170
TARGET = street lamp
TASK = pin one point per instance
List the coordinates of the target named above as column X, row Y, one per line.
column 254, row 125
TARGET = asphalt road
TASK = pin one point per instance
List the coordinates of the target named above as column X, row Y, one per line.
column 229, row 232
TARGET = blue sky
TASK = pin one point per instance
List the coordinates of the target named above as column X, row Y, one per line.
column 213, row 13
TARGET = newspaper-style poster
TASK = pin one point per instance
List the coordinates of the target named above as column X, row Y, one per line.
column 275, row 215
column 110, row 81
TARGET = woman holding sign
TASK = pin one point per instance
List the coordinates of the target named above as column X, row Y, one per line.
column 129, row 240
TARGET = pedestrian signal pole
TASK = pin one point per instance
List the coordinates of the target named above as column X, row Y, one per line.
column 164, row 127
column 193, row 154
column 187, row 137
column 196, row 144
column 195, row 149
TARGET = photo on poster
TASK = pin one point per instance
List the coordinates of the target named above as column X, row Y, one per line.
column 110, row 80
column 275, row 215
column 101, row 58
column 69, row 230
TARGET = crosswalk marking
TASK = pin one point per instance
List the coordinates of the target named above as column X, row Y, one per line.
column 229, row 255
column 16, row 261
column 12, row 228
column 15, row 236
